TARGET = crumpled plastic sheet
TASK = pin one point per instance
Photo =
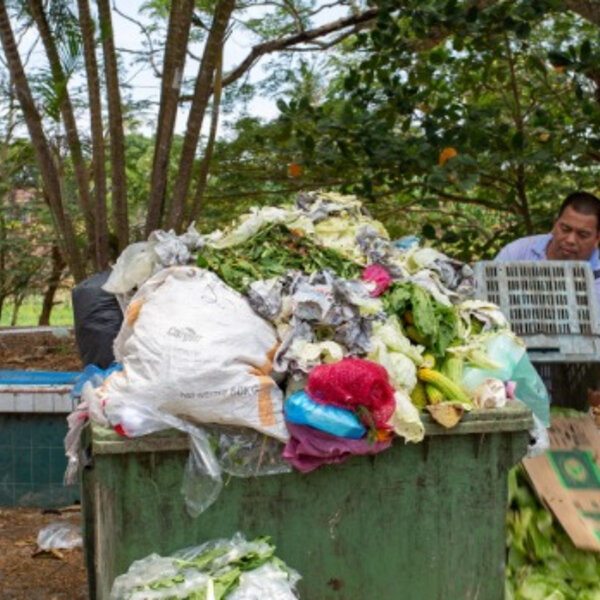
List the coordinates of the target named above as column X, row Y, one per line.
column 309, row 449
column 173, row 249
column 87, row 406
column 60, row 535
column 139, row 261
column 202, row 480
column 268, row 582
column 305, row 304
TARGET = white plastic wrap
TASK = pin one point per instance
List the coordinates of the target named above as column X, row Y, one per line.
column 268, row 581
column 540, row 440
column 135, row 264
column 202, row 480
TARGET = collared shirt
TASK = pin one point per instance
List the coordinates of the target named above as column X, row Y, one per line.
column 534, row 248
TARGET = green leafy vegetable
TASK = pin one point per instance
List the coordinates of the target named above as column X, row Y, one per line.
column 271, row 252
column 436, row 324
column 543, row 563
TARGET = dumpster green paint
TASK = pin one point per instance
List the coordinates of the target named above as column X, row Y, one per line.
column 416, row 522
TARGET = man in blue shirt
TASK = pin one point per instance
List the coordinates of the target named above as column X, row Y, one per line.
column 575, row 236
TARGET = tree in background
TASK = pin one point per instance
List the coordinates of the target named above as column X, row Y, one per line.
column 485, row 114
column 64, row 26
column 462, row 114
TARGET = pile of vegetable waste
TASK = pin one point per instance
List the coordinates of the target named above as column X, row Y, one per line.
column 332, row 284
column 543, row 563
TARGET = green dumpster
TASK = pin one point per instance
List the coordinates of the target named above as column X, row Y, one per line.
column 417, row 521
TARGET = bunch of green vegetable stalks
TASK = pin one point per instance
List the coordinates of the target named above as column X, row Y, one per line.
column 543, row 563
column 272, row 252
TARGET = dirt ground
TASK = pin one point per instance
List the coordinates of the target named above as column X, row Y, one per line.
column 25, row 574
column 39, row 351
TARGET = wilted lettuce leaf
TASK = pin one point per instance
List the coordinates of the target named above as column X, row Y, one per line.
column 542, row 562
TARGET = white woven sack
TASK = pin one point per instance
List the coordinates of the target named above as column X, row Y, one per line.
column 193, row 347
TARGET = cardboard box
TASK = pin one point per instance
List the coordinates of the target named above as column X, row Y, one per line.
column 567, row 478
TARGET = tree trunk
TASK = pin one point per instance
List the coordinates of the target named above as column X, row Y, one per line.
column 98, row 158
column 202, row 91
column 41, row 148
column 68, row 115
column 58, row 265
column 210, row 144
column 18, row 299
column 115, row 124
column 180, row 21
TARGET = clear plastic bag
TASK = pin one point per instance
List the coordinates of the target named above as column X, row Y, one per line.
column 244, row 452
column 202, row 480
column 513, row 365
column 218, row 569
column 60, row 535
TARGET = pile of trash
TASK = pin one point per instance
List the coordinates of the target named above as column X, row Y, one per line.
column 235, row 569
column 304, row 326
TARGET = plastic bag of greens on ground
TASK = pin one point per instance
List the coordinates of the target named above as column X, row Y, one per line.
column 508, row 361
column 219, row 569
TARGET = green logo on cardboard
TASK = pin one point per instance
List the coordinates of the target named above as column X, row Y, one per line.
column 576, row 469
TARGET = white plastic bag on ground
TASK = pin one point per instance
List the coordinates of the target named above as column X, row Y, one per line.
column 192, row 347
column 60, row 535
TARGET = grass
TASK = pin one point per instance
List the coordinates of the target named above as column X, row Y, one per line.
column 29, row 312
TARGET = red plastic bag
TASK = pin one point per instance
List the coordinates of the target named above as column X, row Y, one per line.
column 353, row 383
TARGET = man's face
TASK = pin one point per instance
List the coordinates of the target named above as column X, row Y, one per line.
column 575, row 236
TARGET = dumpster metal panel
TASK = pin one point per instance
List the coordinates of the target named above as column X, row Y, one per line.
column 416, row 521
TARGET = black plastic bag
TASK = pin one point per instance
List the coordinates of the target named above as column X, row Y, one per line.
column 98, row 318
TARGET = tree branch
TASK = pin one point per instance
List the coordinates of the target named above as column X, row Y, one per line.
column 299, row 38
column 144, row 30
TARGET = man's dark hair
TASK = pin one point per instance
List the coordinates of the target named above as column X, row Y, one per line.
column 584, row 203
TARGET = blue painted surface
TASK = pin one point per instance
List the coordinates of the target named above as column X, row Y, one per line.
column 16, row 377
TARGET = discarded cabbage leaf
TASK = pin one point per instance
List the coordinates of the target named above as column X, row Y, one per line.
column 405, row 420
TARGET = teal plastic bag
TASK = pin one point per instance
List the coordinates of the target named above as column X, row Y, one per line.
column 513, row 365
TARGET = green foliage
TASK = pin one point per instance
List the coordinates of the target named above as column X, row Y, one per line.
column 523, row 131
column 31, row 308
